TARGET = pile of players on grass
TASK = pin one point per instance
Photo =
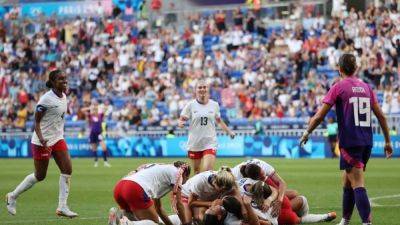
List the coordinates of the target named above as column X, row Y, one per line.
column 250, row 193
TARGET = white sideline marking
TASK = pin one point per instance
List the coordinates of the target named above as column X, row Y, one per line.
column 50, row 220
column 374, row 204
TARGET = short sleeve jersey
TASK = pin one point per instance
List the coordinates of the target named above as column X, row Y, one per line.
column 155, row 179
column 267, row 168
column 52, row 123
column 200, row 185
column 202, row 119
column 353, row 100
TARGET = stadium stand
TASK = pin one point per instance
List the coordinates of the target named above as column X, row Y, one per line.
column 142, row 73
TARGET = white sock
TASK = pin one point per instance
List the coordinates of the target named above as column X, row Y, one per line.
column 313, row 218
column 64, row 183
column 26, row 184
column 344, row 222
column 304, row 208
column 174, row 219
column 367, row 224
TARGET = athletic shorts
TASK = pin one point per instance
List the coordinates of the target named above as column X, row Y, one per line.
column 201, row 154
column 130, row 196
column 95, row 138
column 332, row 138
column 287, row 215
column 40, row 153
column 354, row 157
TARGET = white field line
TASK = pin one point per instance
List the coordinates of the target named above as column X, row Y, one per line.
column 374, row 204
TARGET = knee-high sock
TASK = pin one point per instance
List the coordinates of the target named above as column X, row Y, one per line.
column 26, row 184
column 64, row 184
column 95, row 156
column 362, row 203
column 105, row 156
column 347, row 203
column 313, row 218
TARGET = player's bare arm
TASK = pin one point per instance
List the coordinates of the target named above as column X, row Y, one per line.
column 40, row 112
column 276, row 205
column 252, row 218
column 194, row 202
column 383, row 123
column 315, row 121
column 224, row 127
column 161, row 212
column 182, row 120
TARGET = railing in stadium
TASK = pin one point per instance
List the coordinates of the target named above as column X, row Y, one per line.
column 270, row 127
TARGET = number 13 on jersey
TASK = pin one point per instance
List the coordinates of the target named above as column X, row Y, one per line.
column 361, row 106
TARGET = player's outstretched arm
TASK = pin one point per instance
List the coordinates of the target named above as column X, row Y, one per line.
column 224, row 127
column 161, row 212
column 383, row 123
column 252, row 218
column 315, row 121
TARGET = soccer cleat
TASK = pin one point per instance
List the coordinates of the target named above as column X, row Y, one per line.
column 11, row 204
column 66, row 212
column 344, row 222
column 331, row 216
column 114, row 216
column 96, row 164
column 106, row 164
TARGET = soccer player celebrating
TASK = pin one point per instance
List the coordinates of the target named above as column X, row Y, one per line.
column 288, row 206
column 48, row 140
column 202, row 113
column 139, row 193
column 203, row 188
column 354, row 101
column 95, row 138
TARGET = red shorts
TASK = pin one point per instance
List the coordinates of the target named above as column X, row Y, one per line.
column 130, row 196
column 201, row 154
column 40, row 153
column 287, row 215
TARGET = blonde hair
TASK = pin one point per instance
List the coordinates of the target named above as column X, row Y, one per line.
column 201, row 81
column 225, row 179
column 260, row 191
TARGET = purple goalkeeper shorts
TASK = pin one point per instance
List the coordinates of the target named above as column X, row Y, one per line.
column 354, row 157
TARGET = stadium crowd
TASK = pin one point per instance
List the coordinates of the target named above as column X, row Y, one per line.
column 142, row 73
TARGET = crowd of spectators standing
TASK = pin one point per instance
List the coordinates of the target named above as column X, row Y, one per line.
column 143, row 73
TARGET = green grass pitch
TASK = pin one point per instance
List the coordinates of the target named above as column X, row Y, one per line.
column 91, row 188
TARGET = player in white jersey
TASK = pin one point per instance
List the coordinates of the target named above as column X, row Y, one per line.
column 202, row 114
column 259, row 170
column 48, row 140
column 139, row 193
column 230, row 211
column 262, row 196
column 292, row 209
column 203, row 188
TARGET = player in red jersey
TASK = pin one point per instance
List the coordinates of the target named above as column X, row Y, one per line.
column 48, row 140
column 354, row 101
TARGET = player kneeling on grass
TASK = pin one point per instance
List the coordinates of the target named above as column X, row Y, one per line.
column 139, row 193
column 201, row 190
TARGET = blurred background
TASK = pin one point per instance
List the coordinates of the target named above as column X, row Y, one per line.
column 269, row 64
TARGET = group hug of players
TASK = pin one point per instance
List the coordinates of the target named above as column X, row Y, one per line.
column 249, row 193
